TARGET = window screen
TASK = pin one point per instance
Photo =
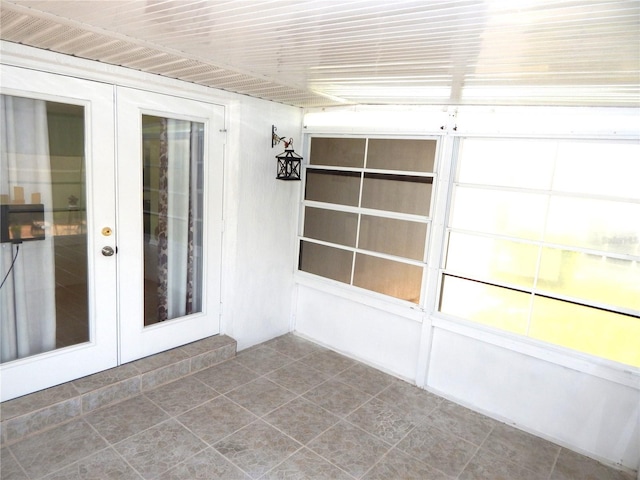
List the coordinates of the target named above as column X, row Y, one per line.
column 367, row 211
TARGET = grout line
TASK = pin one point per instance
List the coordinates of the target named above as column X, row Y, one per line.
column 555, row 461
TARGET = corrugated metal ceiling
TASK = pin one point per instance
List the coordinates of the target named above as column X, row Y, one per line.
column 313, row 53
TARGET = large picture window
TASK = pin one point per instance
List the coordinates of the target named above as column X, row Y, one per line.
column 367, row 211
column 543, row 240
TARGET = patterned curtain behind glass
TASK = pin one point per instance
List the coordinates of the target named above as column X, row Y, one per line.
column 174, row 236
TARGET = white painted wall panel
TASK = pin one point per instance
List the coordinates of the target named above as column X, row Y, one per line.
column 595, row 416
column 380, row 339
column 260, row 223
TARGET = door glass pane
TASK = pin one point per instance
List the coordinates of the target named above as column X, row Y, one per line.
column 173, row 159
column 43, row 254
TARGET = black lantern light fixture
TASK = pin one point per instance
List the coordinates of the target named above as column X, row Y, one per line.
column 288, row 161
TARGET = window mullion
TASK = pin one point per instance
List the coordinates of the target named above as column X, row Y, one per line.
column 353, row 263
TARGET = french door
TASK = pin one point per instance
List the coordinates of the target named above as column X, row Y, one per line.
column 57, row 186
column 169, row 153
column 111, row 226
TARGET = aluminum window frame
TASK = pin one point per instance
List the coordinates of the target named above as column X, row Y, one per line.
column 427, row 220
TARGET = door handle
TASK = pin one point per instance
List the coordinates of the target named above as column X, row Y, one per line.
column 107, row 251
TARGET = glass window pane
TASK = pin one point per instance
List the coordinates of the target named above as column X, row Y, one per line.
column 509, row 213
column 397, row 193
column 339, row 152
column 590, row 330
column 331, row 226
column 388, row 277
column 598, row 168
column 592, row 277
column 599, row 224
column 333, row 187
column 173, row 152
column 487, row 304
column 326, row 261
column 492, row 259
column 397, row 154
column 395, row 237
column 43, row 221
column 509, row 163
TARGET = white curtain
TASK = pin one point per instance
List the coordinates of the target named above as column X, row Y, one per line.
column 27, row 299
column 179, row 155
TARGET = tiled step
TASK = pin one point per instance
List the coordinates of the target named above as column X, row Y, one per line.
column 45, row 409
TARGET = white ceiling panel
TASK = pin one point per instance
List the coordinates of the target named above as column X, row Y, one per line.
column 312, row 53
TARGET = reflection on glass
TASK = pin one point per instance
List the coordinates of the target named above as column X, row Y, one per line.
column 487, row 304
column 393, row 236
column 492, row 259
column 326, row 261
column 172, row 217
column 515, row 214
column 397, row 193
column 43, row 221
column 385, row 276
column 338, row 152
column 591, row 277
column 598, row 224
column 331, row 226
column 590, row 330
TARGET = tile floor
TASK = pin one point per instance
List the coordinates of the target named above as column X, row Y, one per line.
column 289, row 409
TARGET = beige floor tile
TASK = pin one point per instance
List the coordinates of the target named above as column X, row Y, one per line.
column 301, row 419
column 257, row 448
column 160, row 448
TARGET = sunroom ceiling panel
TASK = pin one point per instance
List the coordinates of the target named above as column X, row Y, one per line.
column 327, row 52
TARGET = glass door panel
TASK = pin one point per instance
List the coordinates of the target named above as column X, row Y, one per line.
column 172, row 217
column 43, row 221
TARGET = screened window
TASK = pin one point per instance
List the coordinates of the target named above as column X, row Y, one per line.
column 367, row 212
column 543, row 240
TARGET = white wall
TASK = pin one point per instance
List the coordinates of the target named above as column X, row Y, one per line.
column 381, row 339
column 260, row 223
column 590, row 414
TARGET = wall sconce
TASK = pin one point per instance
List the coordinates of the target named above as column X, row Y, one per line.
column 288, row 161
